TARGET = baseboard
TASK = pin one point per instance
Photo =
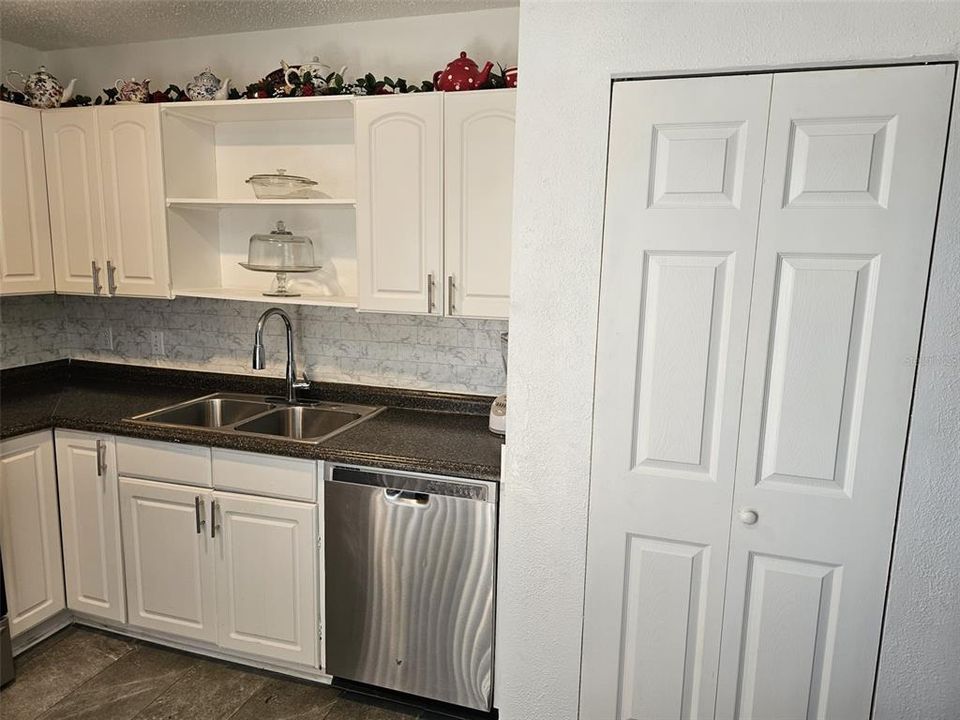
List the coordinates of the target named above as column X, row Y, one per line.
column 27, row 639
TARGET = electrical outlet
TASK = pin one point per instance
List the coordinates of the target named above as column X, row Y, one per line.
column 105, row 339
column 156, row 343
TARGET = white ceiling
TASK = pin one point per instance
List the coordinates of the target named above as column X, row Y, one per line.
column 57, row 24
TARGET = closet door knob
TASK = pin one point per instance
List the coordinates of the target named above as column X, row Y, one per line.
column 748, row 516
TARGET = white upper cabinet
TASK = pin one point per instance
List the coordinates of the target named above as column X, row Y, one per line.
column 108, row 218
column 399, row 202
column 478, row 201
column 90, row 524
column 26, row 263
column 30, row 530
column 133, row 200
column 71, row 146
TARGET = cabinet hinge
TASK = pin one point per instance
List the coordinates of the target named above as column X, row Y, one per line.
column 319, row 540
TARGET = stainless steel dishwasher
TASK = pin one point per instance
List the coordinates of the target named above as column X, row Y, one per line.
column 410, row 565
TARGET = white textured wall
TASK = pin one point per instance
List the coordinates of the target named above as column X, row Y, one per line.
column 568, row 53
column 411, row 47
column 18, row 57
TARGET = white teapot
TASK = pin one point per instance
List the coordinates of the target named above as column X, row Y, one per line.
column 42, row 89
column 318, row 71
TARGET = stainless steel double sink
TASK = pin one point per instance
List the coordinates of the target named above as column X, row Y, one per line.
column 307, row 421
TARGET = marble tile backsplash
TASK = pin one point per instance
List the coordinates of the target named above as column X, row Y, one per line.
column 334, row 344
column 31, row 327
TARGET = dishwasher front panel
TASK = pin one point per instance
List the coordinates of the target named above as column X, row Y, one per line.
column 410, row 566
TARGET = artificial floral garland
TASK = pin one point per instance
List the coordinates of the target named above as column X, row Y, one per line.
column 275, row 85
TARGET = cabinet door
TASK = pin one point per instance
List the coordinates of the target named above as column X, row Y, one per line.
column 853, row 166
column 684, row 176
column 90, row 524
column 134, row 202
column 26, row 261
column 399, row 203
column 30, row 531
column 72, row 150
column 267, row 577
column 478, row 130
column 168, row 558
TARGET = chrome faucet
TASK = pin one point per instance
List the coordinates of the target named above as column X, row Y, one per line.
column 260, row 355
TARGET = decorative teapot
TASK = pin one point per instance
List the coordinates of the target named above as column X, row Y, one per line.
column 207, row 86
column 131, row 91
column 42, row 89
column 318, row 72
column 461, row 74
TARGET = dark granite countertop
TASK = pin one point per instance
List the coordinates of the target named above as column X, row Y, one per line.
column 441, row 433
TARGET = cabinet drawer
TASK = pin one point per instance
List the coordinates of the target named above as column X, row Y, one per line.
column 280, row 477
column 168, row 462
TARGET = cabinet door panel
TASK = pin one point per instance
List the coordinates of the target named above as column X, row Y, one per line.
column 90, row 524
column 478, row 201
column 26, row 261
column 267, row 577
column 399, row 202
column 71, row 147
column 134, row 202
column 168, row 558
column 30, row 531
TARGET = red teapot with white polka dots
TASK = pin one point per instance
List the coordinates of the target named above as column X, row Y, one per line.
column 461, row 74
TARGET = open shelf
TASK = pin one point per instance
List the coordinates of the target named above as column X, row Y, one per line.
column 267, row 109
column 219, row 204
column 256, row 295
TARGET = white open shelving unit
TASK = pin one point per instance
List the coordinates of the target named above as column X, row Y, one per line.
column 211, row 148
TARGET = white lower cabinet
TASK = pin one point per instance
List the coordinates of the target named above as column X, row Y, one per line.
column 266, row 558
column 30, row 531
column 169, row 558
column 90, row 524
column 235, row 570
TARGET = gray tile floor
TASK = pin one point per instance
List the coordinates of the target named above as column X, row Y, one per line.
column 87, row 674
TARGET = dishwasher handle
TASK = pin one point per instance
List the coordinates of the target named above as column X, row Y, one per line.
column 406, row 497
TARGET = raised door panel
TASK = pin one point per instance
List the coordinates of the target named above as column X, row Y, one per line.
column 30, row 531
column 853, row 169
column 168, row 558
column 399, row 203
column 72, row 151
column 267, row 577
column 478, row 201
column 26, row 261
column 684, row 176
column 90, row 524
column 134, row 202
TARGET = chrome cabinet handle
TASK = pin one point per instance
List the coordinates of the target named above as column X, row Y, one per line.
column 450, row 286
column 196, row 514
column 101, row 458
column 95, row 271
column 111, row 278
column 430, row 301
column 213, row 518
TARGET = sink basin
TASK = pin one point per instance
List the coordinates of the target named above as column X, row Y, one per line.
column 210, row 412
column 311, row 423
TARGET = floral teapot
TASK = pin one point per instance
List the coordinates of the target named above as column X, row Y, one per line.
column 318, row 72
column 42, row 89
column 131, row 91
column 207, row 86
column 461, row 74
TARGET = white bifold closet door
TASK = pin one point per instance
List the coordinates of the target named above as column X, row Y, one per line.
column 851, row 183
column 754, row 375
column 683, row 194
